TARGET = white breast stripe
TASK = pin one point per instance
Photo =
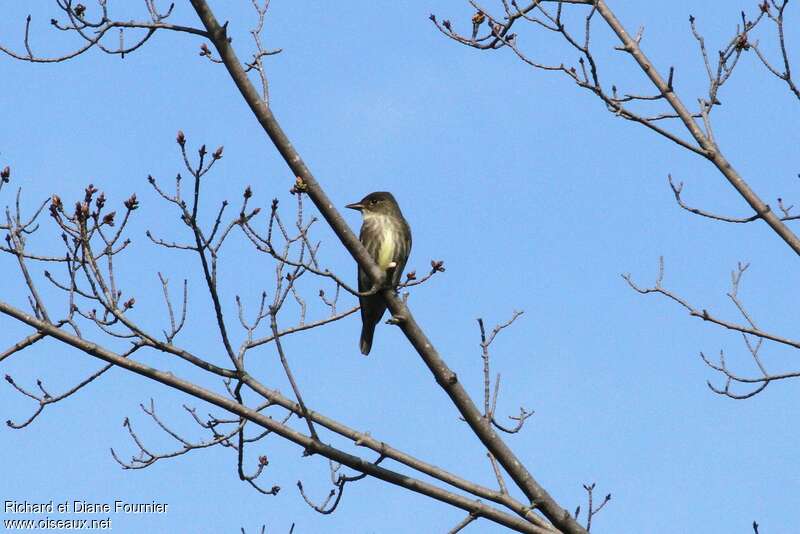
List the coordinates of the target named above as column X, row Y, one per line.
column 388, row 244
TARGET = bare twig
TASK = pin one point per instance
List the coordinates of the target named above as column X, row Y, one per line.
column 752, row 335
column 592, row 510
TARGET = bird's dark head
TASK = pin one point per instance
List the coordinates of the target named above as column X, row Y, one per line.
column 380, row 202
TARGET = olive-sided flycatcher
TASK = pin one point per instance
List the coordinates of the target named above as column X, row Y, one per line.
column 387, row 237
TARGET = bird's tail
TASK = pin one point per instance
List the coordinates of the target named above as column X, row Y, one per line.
column 367, row 331
column 372, row 309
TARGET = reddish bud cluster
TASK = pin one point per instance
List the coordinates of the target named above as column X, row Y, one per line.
column 299, row 186
column 180, row 138
column 248, row 192
column 741, row 42
column 90, row 191
column 5, row 174
column 56, row 205
column 437, row 266
column 132, row 203
column 217, row 153
column 81, row 211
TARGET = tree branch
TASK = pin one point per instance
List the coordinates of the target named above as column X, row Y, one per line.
column 308, row 443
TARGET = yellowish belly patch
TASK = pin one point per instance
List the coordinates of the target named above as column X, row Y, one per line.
column 386, row 253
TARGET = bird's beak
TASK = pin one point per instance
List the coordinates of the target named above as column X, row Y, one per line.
column 355, row 206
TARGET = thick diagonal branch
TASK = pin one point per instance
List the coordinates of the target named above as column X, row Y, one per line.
column 446, row 378
column 712, row 152
column 308, row 443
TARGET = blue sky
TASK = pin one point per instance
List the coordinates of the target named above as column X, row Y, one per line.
column 534, row 196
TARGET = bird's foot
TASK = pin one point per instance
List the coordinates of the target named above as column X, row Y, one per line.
column 397, row 319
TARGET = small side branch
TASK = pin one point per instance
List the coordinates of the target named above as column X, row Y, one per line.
column 752, row 335
column 339, row 480
column 705, row 314
column 592, row 509
column 462, row 524
column 44, row 398
column 678, row 188
column 490, row 395
column 93, row 31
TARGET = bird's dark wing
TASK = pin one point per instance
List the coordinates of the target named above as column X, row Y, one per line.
column 372, row 238
column 402, row 252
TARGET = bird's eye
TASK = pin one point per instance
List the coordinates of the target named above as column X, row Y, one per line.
column 373, row 202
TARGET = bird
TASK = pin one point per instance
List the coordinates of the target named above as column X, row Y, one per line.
column 386, row 235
